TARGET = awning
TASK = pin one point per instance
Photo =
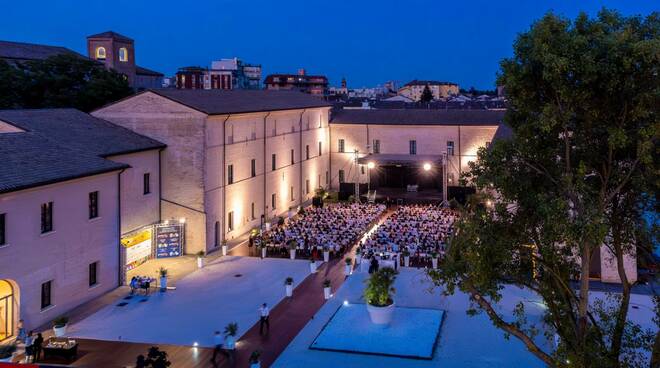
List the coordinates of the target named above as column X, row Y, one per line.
column 400, row 159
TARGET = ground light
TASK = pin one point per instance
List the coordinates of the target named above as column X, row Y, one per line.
column 195, row 344
column 371, row 165
column 427, row 166
column 346, row 302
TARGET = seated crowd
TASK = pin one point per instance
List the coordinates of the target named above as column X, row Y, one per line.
column 418, row 230
column 336, row 227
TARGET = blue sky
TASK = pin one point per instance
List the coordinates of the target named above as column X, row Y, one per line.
column 368, row 42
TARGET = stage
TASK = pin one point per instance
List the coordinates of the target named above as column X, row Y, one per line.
column 421, row 196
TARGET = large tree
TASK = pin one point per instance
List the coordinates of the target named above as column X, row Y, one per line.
column 578, row 174
column 427, row 95
column 60, row 81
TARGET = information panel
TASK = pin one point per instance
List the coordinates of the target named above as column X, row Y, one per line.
column 169, row 240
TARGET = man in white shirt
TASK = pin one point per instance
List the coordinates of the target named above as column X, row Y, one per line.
column 264, row 312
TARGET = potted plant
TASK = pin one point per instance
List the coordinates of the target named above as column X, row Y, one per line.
column 326, row 254
column 288, row 285
column 293, row 245
column 263, row 250
column 230, row 335
column 312, row 265
column 200, row 259
column 163, row 278
column 434, row 260
column 280, row 221
column 358, row 255
column 224, row 247
column 378, row 294
column 349, row 266
column 254, row 359
column 59, row 326
column 326, row 289
column 7, row 353
column 406, row 257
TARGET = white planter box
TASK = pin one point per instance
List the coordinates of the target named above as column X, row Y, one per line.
column 347, row 270
column 326, row 256
column 292, row 253
column 289, row 290
column 263, row 252
column 200, row 262
column 163, row 283
column 59, row 331
column 406, row 261
column 434, row 263
column 326, row 293
column 224, row 250
column 312, row 267
column 380, row 315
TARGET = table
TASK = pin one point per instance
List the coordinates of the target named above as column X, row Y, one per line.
column 382, row 263
column 60, row 347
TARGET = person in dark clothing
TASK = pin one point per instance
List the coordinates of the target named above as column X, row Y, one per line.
column 36, row 346
column 373, row 265
column 264, row 313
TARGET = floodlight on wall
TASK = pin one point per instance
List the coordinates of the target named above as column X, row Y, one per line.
column 182, row 220
column 371, row 165
column 427, row 166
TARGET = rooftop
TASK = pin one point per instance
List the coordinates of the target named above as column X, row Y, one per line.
column 113, row 35
column 418, row 117
column 218, row 102
column 416, row 82
column 31, row 51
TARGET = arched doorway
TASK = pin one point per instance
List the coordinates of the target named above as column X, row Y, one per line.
column 8, row 309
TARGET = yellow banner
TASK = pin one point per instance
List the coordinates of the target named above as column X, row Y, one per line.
column 138, row 238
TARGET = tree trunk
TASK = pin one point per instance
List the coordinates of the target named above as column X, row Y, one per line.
column 584, row 301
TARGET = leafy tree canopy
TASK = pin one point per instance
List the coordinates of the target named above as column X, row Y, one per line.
column 427, row 95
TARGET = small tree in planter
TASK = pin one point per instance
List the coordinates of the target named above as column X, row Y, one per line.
column 327, row 288
column 379, row 293
column 59, row 326
column 434, row 260
column 163, row 278
column 255, row 359
column 406, row 257
column 288, row 285
column 200, row 259
column 263, row 249
column 293, row 245
column 312, row 265
column 358, row 255
column 326, row 254
column 7, row 353
column 156, row 358
column 349, row 266
column 224, row 247
column 230, row 335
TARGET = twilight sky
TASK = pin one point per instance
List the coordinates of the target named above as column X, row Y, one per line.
column 366, row 41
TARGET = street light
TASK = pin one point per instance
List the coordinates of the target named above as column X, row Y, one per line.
column 427, row 166
column 371, row 165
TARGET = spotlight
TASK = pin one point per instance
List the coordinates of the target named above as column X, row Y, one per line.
column 182, row 220
column 427, row 166
column 371, row 165
column 345, row 302
column 195, row 344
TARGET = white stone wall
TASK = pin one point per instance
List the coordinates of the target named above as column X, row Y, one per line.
column 63, row 255
column 608, row 266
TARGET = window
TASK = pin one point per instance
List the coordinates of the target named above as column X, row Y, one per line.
column 273, row 162
column 146, row 183
column 93, row 204
column 253, row 168
column 252, row 211
column 230, row 221
column 93, row 268
column 46, row 217
column 46, row 289
column 413, row 147
column 230, row 174
column 216, row 233
column 376, row 146
column 291, row 194
column 341, row 145
column 320, row 148
column 3, row 229
column 450, row 148
column 100, row 53
column 307, row 186
column 273, row 201
column 307, row 152
column 292, row 158
column 123, row 54
column 341, row 176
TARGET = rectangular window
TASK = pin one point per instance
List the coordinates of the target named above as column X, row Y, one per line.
column 46, row 295
column 376, row 146
column 230, row 174
column 46, row 217
column 253, row 168
column 273, row 201
column 450, row 148
column 341, row 145
column 273, row 162
column 320, row 148
column 93, row 204
column 307, row 186
column 341, row 176
column 291, row 194
column 252, row 211
column 146, row 183
column 413, row 147
column 3, row 228
column 292, row 158
column 230, row 220
column 307, row 152
column 93, row 268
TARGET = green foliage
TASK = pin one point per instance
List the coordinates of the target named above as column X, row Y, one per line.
column 326, row 283
column 427, row 95
column 379, row 290
column 231, row 329
column 162, row 272
column 60, row 81
column 255, row 356
column 60, row 321
column 288, row 281
column 583, row 106
column 156, row 358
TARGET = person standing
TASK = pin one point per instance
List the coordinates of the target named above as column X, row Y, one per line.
column 218, row 342
column 36, row 347
column 264, row 313
column 29, row 347
column 21, row 331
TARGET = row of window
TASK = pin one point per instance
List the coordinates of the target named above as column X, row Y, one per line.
column 47, row 287
column 273, row 163
column 412, row 146
column 253, row 134
column 47, row 211
column 101, row 53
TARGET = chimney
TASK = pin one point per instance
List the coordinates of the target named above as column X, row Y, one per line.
column 301, row 71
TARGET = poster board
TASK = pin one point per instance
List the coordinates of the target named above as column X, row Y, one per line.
column 169, row 240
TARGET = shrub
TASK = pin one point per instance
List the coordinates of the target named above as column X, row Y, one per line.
column 326, row 283
column 254, row 357
column 200, row 254
column 163, row 272
column 379, row 290
column 231, row 329
column 60, row 321
column 293, row 245
column 348, row 261
column 288, row 281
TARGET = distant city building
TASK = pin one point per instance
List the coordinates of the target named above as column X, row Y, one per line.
column 312, row 84
column 224, row 74
column 440, row 90
column 191, row 77
column 117, row 52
